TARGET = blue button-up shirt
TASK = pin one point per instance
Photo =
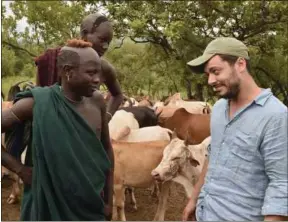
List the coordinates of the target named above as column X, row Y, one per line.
column 247, row 172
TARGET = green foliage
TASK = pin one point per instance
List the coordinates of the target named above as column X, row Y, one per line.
column 160, row 38
column 8, row 62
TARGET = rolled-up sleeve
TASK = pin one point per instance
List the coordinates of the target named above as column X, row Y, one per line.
column 274, row 150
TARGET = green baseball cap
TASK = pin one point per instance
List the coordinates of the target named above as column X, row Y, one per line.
column 221, row 45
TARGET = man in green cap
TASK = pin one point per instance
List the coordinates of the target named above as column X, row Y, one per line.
column 245, row 174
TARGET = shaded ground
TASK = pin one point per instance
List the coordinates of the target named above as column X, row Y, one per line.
column 8, row 212
column 147, row 205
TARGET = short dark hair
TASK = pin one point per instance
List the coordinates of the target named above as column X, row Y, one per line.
column 232, row 60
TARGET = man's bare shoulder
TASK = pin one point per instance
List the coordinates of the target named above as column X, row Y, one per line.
column 106, row 66
column 20, row 111
column 108, row 70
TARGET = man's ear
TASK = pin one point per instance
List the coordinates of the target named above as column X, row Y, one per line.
column 241, row 64
column 68, row 69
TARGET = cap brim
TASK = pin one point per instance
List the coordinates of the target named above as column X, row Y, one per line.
column 197, row 65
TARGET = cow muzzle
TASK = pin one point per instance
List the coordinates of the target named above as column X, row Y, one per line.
column 156, row 176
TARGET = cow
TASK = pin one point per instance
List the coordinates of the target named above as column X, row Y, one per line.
column 157, row 104
column 151, row 133
column 198, row 125
column 133, row 165
column 182, row 163
column 197, row 107
column 129, row 102
column 144, row 115
column 122, row 121
column 145, row 101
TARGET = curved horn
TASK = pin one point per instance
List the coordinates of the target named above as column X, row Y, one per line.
column 158, row 114
column 18, row 83
column 129, row 100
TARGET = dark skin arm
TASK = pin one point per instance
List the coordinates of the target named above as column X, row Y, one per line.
column 20, row 111
column 105, row 139
column 275, row 218
column 113, row 86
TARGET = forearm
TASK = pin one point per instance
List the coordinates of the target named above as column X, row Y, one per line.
column 200, row 182
column 274, row 152
column 275, row 218
column 10, row 162
column 114, row 103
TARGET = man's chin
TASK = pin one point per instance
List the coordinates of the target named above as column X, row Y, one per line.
column 226, row 95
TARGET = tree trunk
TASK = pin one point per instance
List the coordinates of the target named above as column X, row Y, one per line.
column 189, row 89
column 199, row 92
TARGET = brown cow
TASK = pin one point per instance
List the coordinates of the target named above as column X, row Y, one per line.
column 198, row 125
column 133, row 165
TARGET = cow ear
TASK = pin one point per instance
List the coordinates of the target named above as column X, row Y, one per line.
column 186, row 141
column 177, row 96
column 194, row 162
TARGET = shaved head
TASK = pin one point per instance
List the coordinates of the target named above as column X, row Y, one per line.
column 91, row 22
column 76, row 53
column 79, row 67
column 84, row 55
column 96, row 29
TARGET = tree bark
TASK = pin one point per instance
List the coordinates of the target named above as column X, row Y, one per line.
column 199, row 92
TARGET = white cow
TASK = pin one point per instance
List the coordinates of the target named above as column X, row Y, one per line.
column 157, row 104
column 133, row 101
column 122, row 121
column 182, row 163
column 197, row 107
column 150, row 133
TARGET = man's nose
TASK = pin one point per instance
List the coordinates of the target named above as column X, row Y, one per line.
column 211, row 80
column 96, row 80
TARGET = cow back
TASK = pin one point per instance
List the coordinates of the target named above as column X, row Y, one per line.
column 144, row 115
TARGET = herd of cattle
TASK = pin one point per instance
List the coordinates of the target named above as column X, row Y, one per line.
column 155, row 144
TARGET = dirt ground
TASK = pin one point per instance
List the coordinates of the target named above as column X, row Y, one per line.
column 147, row 205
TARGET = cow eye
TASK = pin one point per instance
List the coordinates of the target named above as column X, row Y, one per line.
column 175, row 158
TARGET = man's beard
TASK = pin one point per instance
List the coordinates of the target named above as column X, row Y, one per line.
column 232, row 93
column 233, row 88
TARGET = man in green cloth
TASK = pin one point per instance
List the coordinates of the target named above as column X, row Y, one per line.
column 68, row 171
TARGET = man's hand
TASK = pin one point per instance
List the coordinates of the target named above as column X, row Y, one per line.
column 189, row 211
column 26, row 175
column 275, row 218
column 108, row 210
column 108, row 116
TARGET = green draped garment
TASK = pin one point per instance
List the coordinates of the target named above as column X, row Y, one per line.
column 69, row 162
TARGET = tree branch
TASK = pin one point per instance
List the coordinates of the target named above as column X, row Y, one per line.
column 119, row 46
column 18, row 48
column 277, row 82
column 144, row 41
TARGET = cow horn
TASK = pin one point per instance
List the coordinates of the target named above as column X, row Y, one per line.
column 174, row 134
column 129, row 100
column 186, row 141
